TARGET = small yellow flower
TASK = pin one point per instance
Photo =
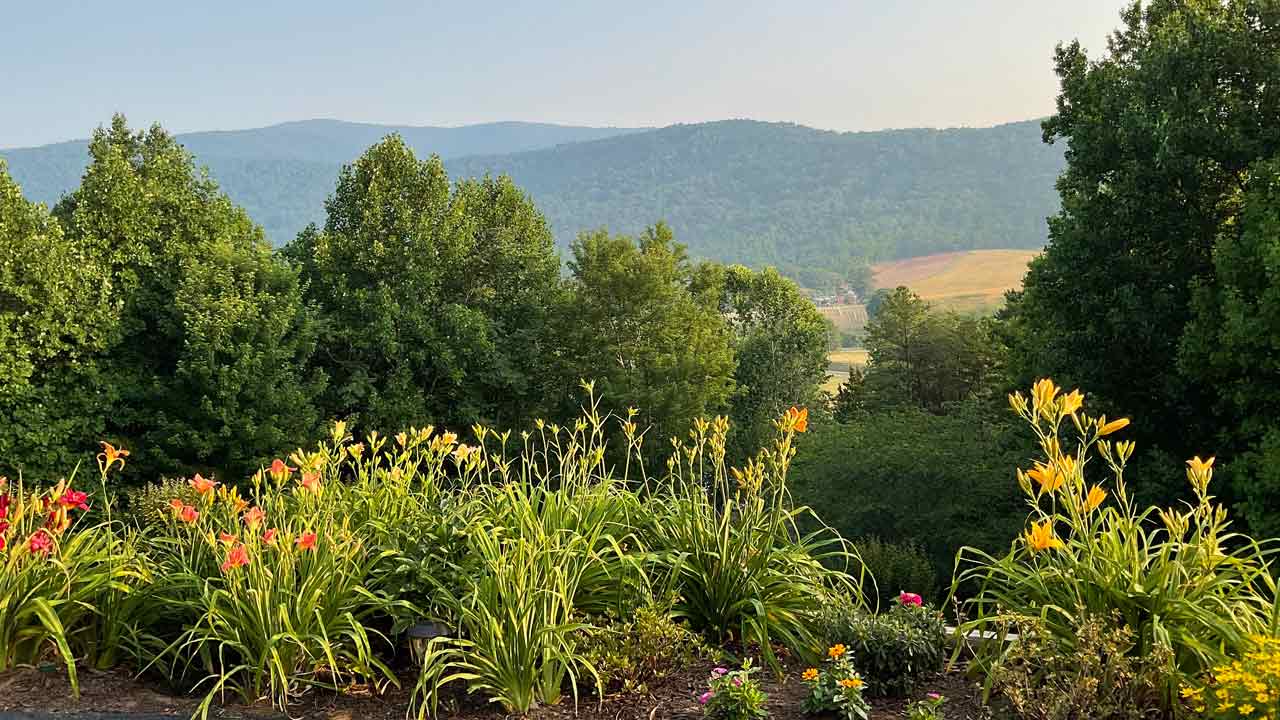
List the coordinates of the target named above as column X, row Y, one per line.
column 1246, row 709
column 809, row 675
column 1071, row 402
column 836, row 650
column 1041, row 537
column 853, row 682
column 1199, row 466
column 1095, row 498
column 1047, row 476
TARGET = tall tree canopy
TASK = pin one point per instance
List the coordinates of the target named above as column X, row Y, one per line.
column 635, row 325
column 436, row 298
column 780, row 343
column 1161, row 136
column 55, row 316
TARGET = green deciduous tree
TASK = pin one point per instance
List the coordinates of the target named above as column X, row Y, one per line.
column 1160, row 133
column 780, row 344
column 635, row 325
column 436, row 299
column 207, row 368
column 1233, row 345
column 55, row 317
column 921, row 357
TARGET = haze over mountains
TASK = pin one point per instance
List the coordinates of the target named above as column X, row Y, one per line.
column 812, row 202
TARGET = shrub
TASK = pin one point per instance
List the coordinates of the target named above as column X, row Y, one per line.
column 1094, row 676
column 734, row 695
column 150, row 505
column 835, row 687
column 896, row 649
column 1245, row 687
column 630, row 654
column 896, row 567
column 1182, row 583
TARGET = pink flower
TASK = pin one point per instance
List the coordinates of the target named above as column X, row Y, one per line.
column 74, row 499
column 737, row 682
column 907, row 598
column 720, row 672
column 40, row 542
column 933, row 696
column 705, row 697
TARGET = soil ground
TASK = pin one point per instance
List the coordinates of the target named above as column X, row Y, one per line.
column 29, row 694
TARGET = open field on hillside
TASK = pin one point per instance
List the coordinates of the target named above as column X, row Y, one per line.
column 838, row 368
column 971, row 281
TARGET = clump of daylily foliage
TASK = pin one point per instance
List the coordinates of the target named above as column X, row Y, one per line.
column 1187, row 590
column 307, row 574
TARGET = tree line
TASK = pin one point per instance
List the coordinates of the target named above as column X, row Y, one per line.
column 147, row 309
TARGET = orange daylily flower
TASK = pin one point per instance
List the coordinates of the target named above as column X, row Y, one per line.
column 253, row 517
column 269, row 537
column 237, row 556
column 227, row 538
column 307, row 541
column 1095, row 498
column 310, row 481
column 188, row 514
column 1106, row 428
column 177, row 505
column 797, row 418
column 1047, row 476
column 111, row 455
column 1041, row 537
column 202, row 484
column 279, row 470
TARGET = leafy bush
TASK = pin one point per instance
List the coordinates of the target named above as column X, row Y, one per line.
column 734, row 695
column 152, row 504
column 835, row 687
column 1183, row 584
column 630, row 654
column 930, row 708
column 1095, row 676
column 893, row 649
column 896, row 567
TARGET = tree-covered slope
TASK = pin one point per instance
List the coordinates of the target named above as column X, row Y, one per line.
column 812, row 202
column 786, row 194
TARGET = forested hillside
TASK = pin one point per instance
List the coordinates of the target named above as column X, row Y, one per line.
column 814, row 203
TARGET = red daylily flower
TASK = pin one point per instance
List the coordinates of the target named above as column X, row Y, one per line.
column 74, row 499
column 279, row 470
column 227, row 538
column 269, row 537
column 237, row 556
column 188, row 514
column 907, row 598
column 4, row 506
column 40, row 542
column 307, row 541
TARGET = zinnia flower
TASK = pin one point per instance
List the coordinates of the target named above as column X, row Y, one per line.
column 253, row 517
column 41, row 542
column 836, row 650
column 809, row 675
column 237, row 556
column 853, row 682
column 307, row 541
column 907, row 598
column 203, row 485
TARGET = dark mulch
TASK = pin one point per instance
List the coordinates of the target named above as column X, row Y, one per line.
column 34, row 695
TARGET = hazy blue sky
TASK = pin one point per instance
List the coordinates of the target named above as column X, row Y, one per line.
column 854, row 65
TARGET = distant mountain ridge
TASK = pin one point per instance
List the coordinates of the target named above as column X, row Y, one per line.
column 808, row 201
